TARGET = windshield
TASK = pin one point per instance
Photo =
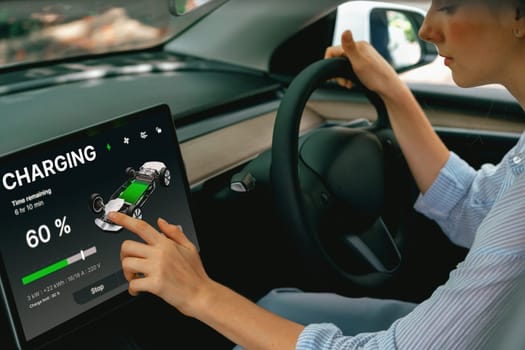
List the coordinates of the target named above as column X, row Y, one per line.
column 34, row 31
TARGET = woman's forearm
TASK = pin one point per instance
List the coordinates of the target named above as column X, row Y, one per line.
column 424, row 151
column 225, row 311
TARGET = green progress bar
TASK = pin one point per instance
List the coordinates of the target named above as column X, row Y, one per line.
column 59, row 265
column 44, row 272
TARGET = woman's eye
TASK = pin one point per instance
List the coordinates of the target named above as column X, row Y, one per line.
column 448, row 9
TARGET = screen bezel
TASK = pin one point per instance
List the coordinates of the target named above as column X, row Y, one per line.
column 99, row 311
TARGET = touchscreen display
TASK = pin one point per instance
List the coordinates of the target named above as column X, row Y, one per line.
column 60, row 255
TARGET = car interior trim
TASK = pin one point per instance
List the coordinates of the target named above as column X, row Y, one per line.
column 219, row 151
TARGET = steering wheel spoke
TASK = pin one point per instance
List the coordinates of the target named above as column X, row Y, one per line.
column 376, row 247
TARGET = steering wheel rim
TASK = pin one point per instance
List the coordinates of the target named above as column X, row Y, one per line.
column 287, row 161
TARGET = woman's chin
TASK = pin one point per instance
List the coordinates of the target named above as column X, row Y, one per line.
column 470, row 81
column 465, row 83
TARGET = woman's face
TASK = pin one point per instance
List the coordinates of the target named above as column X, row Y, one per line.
column 476, row 40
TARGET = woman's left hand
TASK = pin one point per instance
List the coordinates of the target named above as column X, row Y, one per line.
column 167, row 265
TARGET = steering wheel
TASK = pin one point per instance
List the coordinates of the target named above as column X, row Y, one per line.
column 330, row 184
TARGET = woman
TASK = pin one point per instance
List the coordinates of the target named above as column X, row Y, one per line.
column 482, row 42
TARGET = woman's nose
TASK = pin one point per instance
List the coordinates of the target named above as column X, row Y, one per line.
column 429, row 32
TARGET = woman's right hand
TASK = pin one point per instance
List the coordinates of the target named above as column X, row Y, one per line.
column 369, row 66
column 424, row 151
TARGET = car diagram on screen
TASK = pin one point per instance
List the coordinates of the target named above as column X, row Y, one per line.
column 132, row 195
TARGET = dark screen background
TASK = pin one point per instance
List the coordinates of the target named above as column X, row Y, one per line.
column 49, row 301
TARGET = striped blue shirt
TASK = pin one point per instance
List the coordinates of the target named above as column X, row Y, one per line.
column 482, row 210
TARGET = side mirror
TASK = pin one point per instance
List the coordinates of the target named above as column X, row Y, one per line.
column 182, row 7
column 392, row 29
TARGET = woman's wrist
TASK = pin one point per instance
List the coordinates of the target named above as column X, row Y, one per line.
column 202, row 299
column 394, row 90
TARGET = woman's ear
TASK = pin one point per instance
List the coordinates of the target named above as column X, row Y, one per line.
column 519, row 25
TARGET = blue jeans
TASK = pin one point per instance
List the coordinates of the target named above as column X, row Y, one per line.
column 351, row 315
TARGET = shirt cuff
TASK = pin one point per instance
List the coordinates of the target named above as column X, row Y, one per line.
column 448, row 189
column 327, row 336
column 315, row 336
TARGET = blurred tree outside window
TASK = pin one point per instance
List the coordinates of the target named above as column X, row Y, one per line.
column 33, row 31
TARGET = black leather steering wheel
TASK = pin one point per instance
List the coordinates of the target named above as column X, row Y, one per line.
column 329, row 185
